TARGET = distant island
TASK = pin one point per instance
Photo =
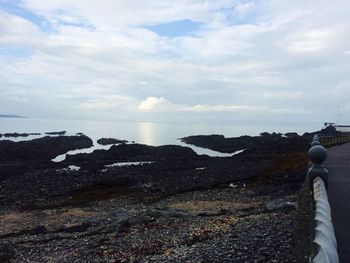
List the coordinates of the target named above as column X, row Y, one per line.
column 11, row 116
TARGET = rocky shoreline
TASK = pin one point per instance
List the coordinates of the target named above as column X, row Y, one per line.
column 176, row 206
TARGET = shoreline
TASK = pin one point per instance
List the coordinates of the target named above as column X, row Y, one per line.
column 176, row 206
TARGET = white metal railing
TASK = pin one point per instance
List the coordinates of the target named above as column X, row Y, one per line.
column 324, row 231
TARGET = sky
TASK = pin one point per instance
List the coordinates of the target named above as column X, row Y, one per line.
column 176, row 60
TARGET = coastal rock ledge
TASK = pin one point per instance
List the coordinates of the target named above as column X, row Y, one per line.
column 243, row 208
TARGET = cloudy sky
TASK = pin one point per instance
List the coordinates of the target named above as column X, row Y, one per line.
column 176, row 60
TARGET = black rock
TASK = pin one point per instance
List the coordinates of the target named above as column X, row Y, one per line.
column 56, row 133
column 107, row 141
column 122, row 225
column 42, row 149
column 130, row 153
column 266, row 143
column 328, row 131
column 291, row 134
column 15, row 134
column 277, row 204
column 80, row 227
column 270, row 135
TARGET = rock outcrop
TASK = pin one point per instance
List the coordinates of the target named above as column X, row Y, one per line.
column 108, row 141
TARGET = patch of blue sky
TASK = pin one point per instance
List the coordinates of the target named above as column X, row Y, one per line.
column 67, row 19
column 178, row 28
column 15, row 52
column 77, row 24
column 14, row 7
column 250, row 17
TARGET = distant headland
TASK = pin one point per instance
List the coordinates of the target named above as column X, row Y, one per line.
column 12, row 116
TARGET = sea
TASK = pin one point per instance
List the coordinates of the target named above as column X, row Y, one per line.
column 150, row 133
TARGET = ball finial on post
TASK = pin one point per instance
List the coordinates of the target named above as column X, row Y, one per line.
column 317, row 154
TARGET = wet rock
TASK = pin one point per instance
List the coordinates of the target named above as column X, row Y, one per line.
column 328, row 131
column 122, row 225
column 34, row 230
column 291, row 134
column 42, row 149
column 126, row 214
column 15, row 134
column 56, row 133
column 131, row 153
column 108, row 141
column 277, row 204
column 77, row 227
column 265, row 143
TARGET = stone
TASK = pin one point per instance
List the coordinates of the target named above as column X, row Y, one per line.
column 277, row 204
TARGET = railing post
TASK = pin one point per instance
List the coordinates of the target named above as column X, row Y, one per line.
column 317, row 155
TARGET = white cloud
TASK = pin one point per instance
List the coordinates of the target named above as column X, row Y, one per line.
column 218, row 108
column 111, row 102
column 310, row 41
column 279, row 95
column 279, row 57
column 155, row 104
column 244, row 8
column 131, row 12
column 19, row 32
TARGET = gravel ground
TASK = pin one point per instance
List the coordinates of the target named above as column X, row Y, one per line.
column 247, row 239
column 218, row 225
